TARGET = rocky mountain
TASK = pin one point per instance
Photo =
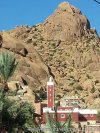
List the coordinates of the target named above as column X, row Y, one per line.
column 64, row 46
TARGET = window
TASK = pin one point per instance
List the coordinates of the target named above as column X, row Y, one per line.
column 91, row 115
column 50, row 94
column 50, row 100
column 88, row 123
column 62, row 115
column 86, row 115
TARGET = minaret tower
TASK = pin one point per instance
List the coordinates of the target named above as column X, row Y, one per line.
column 50, row 93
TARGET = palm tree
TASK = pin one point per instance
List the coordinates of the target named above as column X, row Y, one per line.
column 57, row 127
column 15, row 115
column 8, row 66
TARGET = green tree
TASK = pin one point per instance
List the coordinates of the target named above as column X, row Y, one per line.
column 8, row 65
column 18, row 116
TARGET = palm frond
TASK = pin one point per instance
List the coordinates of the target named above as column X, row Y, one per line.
column 8, row 65
column 50, row 124
column 56, row 126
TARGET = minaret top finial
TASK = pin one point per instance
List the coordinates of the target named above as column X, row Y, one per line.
column 50, row 82
column 50, row 79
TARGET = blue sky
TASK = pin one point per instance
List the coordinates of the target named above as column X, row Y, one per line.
column 31, row 12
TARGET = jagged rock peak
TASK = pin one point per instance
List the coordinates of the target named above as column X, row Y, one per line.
column 65, row 6
column 66, row 23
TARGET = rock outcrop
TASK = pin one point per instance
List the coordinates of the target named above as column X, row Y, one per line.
column 31, row 67
column 66, row 23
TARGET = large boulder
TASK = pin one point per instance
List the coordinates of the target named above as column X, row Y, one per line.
column 31, row 67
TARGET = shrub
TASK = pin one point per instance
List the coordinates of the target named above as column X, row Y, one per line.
column 53, row 45
column 34, row 44
column 92, row 90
